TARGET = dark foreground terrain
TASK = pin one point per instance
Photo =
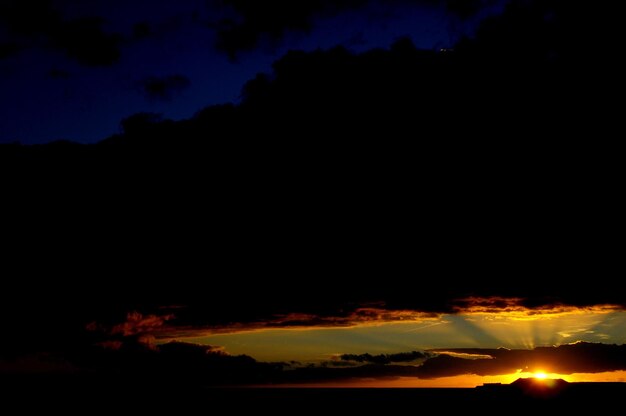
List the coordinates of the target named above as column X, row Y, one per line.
column 167, row 398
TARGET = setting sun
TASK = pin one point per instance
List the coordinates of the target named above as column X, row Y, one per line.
column 540, row 375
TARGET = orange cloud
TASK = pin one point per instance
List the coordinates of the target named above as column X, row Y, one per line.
column 137, row 328
column 110, row 344
column 516, row 307
column 360, row 316
column 136, row 324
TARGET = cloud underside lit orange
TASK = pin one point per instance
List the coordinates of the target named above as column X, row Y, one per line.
column 500, row 308
column 375, row 347
column 485, row 340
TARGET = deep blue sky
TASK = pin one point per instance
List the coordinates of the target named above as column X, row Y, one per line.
column 169, row 63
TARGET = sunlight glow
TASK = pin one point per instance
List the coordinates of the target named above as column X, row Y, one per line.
column 465, row 381
column 540, row 375
column 314, row 344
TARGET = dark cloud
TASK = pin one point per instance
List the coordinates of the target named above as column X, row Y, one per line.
column 194, row 320
column 347, row 317
column 32, row 364
column 384, row 358
column 243, row 26
column 136, row 323
column 528, row 306
column 466, row 8
column 164, row 88
column 580, row 357
column 37, row 23
column 188, row 350
column 30, row 17
column 270, row 19
column 487, row 304
column 86, row 42
column 212, row 365
column 56, row 73
column 8, row 50
column 136, row 329
column 208, row 365
column 187, row 363
column 139, row 123
column 142, row 30
column 190, row 322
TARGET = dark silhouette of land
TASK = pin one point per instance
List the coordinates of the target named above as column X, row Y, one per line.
column 163, row 397
column 558, row 389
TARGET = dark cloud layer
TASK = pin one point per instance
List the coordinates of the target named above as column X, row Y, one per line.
column 38, row 23
column 190, row 321
column 270, row 19
column 164, row 88
column 186, row 363
column 241, row 25
column 253, row 20
column 208, row 365
column 8, row 49
column 85, row 41
column 565, row 359
column 384, row 358
column 581, row 357
column 29, row 17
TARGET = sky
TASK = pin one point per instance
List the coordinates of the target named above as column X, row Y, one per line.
column 319, row 193
column 485, row 342
column 447, row 331
column 166, row 58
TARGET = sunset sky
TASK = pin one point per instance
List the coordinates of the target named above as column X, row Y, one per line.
column 477, row 330
column 488, row 340
column 363, row 193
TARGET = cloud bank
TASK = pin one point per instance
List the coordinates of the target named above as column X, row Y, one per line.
column 192, row 363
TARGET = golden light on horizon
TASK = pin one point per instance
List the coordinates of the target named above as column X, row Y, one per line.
column 477, row 337
column 466, row 381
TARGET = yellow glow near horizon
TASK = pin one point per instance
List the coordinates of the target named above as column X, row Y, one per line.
column 463, row 381
column 464, row 335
